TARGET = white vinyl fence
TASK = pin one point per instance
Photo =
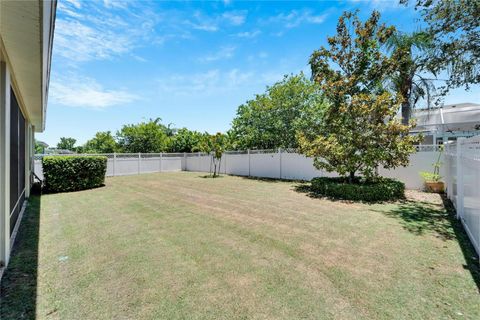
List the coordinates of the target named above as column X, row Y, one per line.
column 278, row 164
column 462, row 163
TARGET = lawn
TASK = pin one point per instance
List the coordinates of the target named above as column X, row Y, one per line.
column 180, row 246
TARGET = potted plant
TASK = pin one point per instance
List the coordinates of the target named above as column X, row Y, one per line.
column 433, row 179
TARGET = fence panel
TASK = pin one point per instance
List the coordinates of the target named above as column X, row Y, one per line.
column 463, row 184
column 298, row 167
column 237, row 164
column 265, row 165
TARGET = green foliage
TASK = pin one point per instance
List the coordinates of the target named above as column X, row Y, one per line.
column 409, row 49
column 359, row 130
column 435, row 175
column 272, row 119
column 103, row 142
column 66, row 144
column 72, row 173
column 148, row 137
column 383, row 189
column 455, row 28
column 214, row 145
column 430, row 176
column 185, row 140
column 40, row 147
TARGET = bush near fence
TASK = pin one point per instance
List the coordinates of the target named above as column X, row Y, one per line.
column 72, row 173
column 384, row 189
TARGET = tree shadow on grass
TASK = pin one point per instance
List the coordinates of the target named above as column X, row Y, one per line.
column 18, row 288
column 209, row 176
column 422, row 217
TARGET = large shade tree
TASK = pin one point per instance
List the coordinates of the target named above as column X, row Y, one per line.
column 455, row 28
column 103, row 142
column 272, row 119
column 359, row 130
column 66, row 143
column 144, row 137
column 185, row 140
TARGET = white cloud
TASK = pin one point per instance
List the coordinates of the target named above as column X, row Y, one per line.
column 383, row 5
column 210, row 83
column 87, row 93
column 203, row 22
column 236, row 18
column 79, row 42
column 102, row 34
column 211, row 27
column 295, row 18
column 249, row 34
column 115, row 4
column 223, row 53
column 75, row 3
column 216, row 83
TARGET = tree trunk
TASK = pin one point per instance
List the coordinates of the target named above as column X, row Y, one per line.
column 351, row 178
column 406, row 111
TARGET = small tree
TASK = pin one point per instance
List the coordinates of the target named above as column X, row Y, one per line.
column 359, row 130
column 215, row 146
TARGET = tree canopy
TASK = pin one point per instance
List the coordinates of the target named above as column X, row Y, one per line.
column 272, row 119
column 145, row 137
column 409, row 80
column 103, row 142
column 184, row 140
column 455, row 28
column 66, row 143
column 359, row 130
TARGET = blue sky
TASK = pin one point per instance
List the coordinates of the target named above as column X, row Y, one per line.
column 190, row 63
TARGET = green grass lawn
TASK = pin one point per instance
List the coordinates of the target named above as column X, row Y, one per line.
column 179, row 246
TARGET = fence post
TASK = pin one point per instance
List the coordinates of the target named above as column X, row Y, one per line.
column 184, row 161
column 139, row 159
column 448, row 161
column 280, row 160
column 161, row 156
column 225, row 167
column 460, row 187
column 114, row 162
column 248, row 151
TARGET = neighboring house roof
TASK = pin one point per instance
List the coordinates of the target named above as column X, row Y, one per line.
column 26, row 40
column 452, row 117
column 42, row 144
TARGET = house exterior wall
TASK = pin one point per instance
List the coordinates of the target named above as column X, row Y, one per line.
column 26, row 42
column 16, row 149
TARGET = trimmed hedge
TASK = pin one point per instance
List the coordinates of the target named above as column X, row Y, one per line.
column 72, row 173
column 384, row 189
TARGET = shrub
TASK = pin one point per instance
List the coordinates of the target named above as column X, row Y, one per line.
column 383, row 189
column 72, row 173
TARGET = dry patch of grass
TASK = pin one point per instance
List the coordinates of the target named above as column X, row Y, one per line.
column 177, row 246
